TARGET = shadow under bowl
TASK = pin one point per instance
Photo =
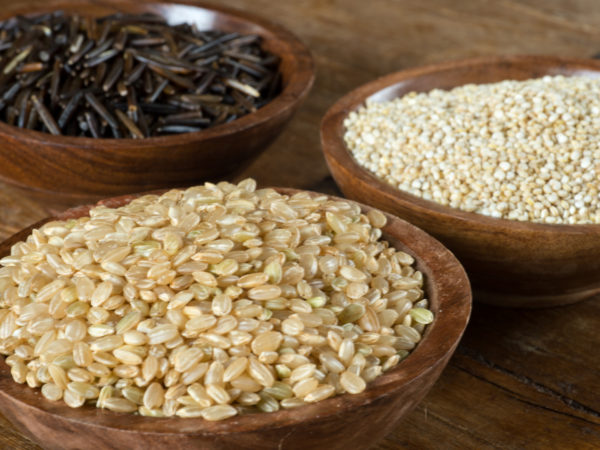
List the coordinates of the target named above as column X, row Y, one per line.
column 343, row 422
column 85, row 168
column 510, row 263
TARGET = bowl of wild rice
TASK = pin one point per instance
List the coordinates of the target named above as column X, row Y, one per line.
column 496, row 157
column 113, row 97
column 223, row 316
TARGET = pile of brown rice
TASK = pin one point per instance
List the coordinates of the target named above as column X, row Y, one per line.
column 209, row 302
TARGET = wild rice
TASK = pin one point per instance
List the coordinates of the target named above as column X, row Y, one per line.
column 209, row 302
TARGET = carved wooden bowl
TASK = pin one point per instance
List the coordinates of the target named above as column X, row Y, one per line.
column 86, row 167
column 510, row 263
column 343, row 422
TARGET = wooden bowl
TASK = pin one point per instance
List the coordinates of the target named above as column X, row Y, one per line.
column 510, row 263
column 78, row 166
column 343, row 422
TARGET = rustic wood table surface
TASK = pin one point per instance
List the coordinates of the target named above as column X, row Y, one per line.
column 520, row 378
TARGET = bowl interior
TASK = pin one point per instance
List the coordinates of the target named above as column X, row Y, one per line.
column 480, row 71
column 447, row 288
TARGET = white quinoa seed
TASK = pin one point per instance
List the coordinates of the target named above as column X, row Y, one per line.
column 519, row 150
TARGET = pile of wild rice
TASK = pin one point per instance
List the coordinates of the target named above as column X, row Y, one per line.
column 128, row 75
column 209, row 302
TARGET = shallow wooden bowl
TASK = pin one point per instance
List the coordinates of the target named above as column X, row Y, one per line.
column 344, row 422
column 510, row 263
column 78, row 167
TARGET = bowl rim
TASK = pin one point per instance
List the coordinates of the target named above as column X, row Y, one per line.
column 334, row 147
column 450, row 294
column 297, row 87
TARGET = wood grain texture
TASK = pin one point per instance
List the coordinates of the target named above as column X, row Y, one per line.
column 512, row 263
column 519, row 379
column 337, row 423
column 78, row 166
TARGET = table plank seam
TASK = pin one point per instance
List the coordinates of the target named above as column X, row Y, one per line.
column 567, row 401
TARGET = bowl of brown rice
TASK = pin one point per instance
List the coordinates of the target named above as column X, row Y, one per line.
column 221, row 316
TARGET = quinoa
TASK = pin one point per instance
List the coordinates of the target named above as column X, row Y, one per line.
column 520, row 150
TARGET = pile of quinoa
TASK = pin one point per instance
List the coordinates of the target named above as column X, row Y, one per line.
column 520, row 150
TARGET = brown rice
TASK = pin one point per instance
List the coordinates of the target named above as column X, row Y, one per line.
column 208, row 302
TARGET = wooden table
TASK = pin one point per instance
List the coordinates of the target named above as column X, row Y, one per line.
column 520, row 378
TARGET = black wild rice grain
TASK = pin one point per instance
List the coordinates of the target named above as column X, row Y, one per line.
column 128, row 75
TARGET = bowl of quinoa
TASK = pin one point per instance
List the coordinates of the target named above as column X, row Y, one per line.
column 497, row 157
